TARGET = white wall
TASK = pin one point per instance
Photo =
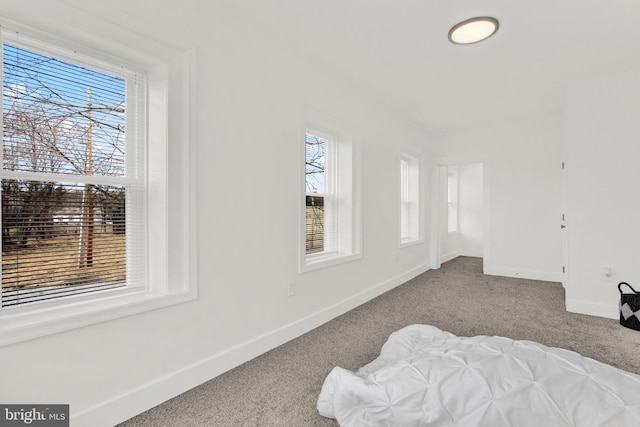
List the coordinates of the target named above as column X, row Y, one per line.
column 252, row 101
column 522, row 191
column 471, row 201
column 603, row 204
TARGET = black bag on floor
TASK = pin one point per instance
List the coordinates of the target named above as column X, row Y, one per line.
column 629, row 308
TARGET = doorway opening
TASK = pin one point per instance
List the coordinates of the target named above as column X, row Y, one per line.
column 460, row 230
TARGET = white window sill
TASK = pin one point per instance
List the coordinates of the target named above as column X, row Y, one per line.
column 410, row 242
column 318, row 261
column 22, row 323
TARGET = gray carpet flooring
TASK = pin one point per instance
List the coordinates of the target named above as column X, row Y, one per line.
column 280, row 387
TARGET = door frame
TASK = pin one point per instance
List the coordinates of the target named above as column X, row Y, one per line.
column 439, row 212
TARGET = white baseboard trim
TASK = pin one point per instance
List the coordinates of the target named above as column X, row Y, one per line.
column 524, row 274
column 471, row 254
column 609, row 311
column 133, row 402
column 448, row 257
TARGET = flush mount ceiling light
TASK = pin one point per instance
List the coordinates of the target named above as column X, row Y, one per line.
column 473, row 30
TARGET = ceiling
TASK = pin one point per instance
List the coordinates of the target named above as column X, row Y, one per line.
column 398, row 50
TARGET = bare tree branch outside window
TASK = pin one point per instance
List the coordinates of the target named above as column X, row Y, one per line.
column 315, row 179
column 68, row 120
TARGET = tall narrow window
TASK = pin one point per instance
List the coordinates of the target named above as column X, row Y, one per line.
column 409, row 199
column 330, row 206
column 68, row 176
column 320, row 194
column 452, row 199
column 404, row 199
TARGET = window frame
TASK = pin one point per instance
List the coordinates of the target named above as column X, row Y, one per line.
column 410, row 209
column 329, row 196
column 168, row 273
column 135, row 148
column 453, row 195
column 342, row 169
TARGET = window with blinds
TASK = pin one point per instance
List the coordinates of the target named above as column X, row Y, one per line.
column 330, row 211
column 409, row 199
column 68, row 178
column 405, row 201
column 452, row 199
column 320, row 207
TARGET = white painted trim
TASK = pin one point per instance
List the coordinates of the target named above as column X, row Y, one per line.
column 471, row 253
column 448, row 257
column 324, row 261
column 523, row 274
column 127, row 405
column 169, row 283
column 40, row 323
column 609, row 311
column 412, row 180
column 406, row 243
column 487, row 206
column 434, row 217
column 348, row 192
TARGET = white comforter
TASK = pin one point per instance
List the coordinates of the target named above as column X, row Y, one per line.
column 427, row 377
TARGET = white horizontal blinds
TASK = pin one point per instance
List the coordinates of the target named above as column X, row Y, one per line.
column 321, row 202
column 52, row 108
column 315, row 180
column 56, row 242
column 64, row 187
column 136, row 194
column 452, row 199
column 404, row 199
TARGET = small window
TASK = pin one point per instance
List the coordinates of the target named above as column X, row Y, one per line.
column 329, row 232
column 452, row 199
column 409, row 199
column 321, row 207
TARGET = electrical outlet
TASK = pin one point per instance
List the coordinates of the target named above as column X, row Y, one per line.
column 292, row 289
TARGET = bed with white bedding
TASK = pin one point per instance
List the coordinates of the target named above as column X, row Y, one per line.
column 428, row 377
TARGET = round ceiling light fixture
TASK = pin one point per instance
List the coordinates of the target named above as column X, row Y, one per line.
column 473, row 30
